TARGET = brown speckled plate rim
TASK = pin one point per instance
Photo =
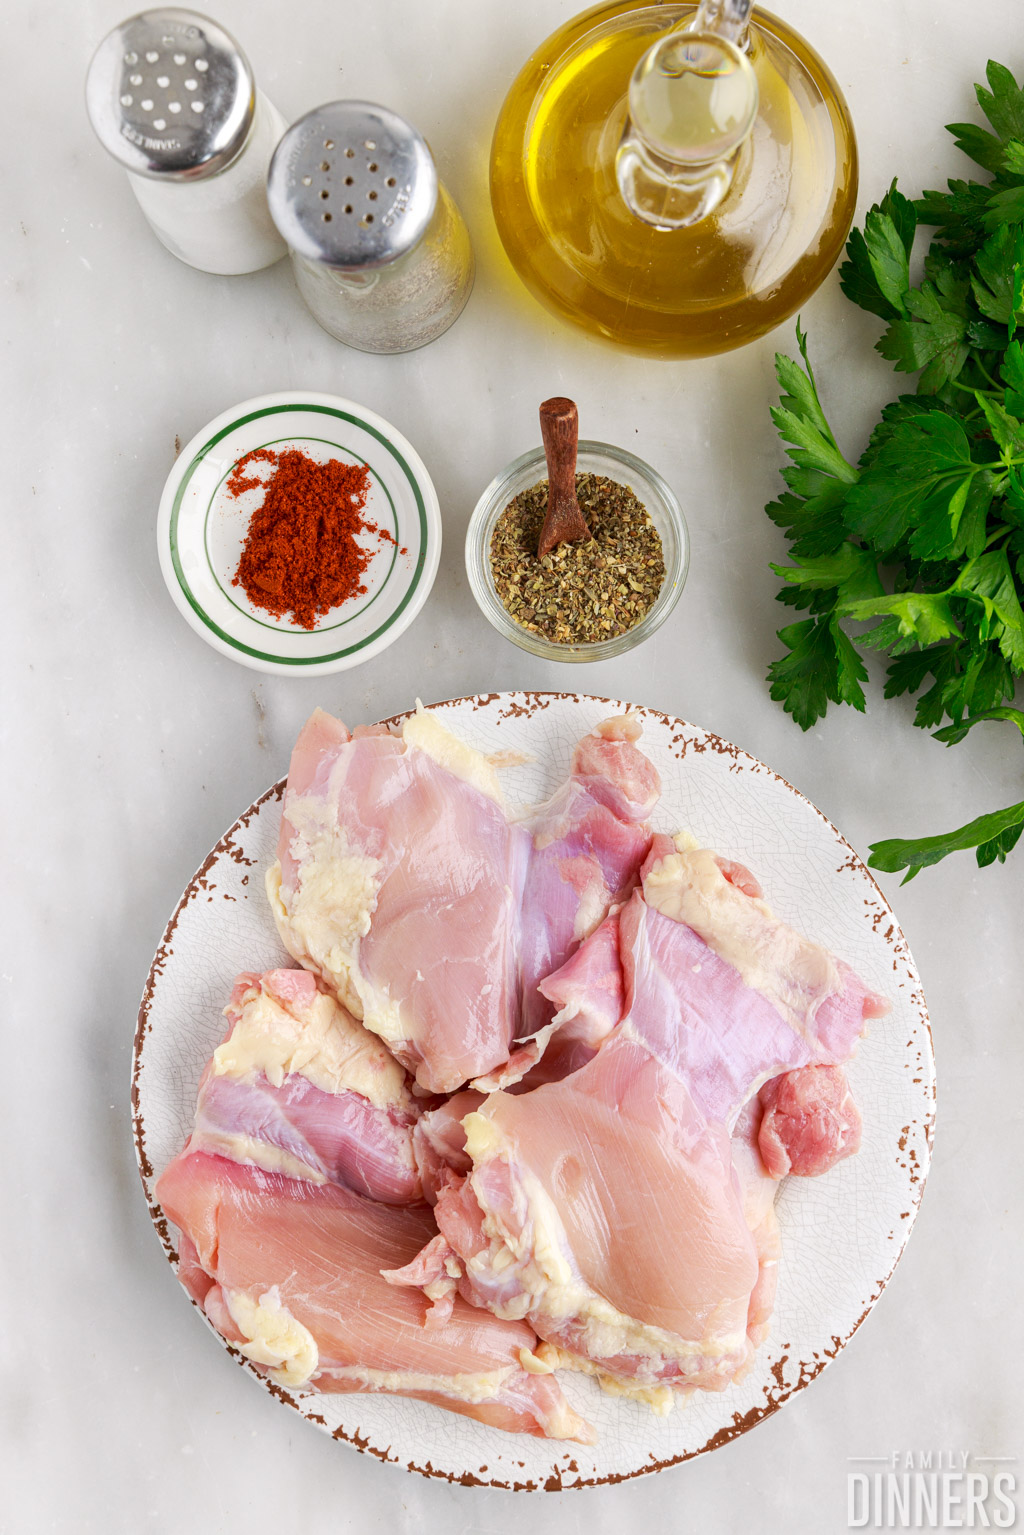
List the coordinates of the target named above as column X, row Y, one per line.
column 525, row 704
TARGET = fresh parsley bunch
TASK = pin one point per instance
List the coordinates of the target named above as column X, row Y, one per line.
column 926, row 534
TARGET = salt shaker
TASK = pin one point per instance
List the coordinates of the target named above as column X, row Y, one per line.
column 172, row 98
column 381, row 254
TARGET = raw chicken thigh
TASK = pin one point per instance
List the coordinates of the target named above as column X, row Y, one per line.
column 439, row 1142
column 604, row 1208
column 589, row 841
column 589, row 996
column 612, row 1208
column 289, row 1272
column 399, row 881
column 716, row 986
column 722, row 990
column 299, row 1087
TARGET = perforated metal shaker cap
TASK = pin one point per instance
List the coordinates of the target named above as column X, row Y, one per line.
column 171, row 95
column 352, row 185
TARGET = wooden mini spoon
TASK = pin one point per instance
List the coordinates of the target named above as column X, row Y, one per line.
column 564, row 522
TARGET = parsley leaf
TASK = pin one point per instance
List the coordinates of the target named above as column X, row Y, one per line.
column 851, row 570
column 998, row 280
column 984, row 148
column 922, row 470
column 885, row 636
column 934, row 338
column 822, row 667
column 954, row 733
column 1005, row 207
column 801, row 421
column 877, row 274
column 1003, row 105
column 922, row 616
column 958, row 214
column 993, row 835
column 1012, row 371
column 998, row 846
column 989, row 581
column 814, row 523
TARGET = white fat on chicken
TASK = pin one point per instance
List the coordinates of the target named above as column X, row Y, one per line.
column 561, row 1421
column 792, row 973
column 660, row 1399
column 483, row 1387
column 270, row 1159
column 332, row 905
column 424, row 731
column 325, row 1045
column 593, row 909
column 274, row 1337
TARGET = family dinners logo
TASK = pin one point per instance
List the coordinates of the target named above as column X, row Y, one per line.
column 931, row 1490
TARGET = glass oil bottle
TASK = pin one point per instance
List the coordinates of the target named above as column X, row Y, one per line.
column 677, row 179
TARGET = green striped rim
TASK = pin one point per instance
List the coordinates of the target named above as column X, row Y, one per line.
column 193, row 601
column 321, row 628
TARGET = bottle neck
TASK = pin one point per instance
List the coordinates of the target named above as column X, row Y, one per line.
column 726, row 18
column 693, row 101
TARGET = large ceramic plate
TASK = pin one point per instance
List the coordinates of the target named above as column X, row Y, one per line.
column 842, row 1234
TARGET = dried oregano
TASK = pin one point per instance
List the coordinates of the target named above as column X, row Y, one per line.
column 587, row 590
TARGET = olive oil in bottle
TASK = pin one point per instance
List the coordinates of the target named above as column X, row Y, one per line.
column 677, row 180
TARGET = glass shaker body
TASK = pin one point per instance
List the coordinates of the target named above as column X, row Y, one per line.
column 172, row 98
column 381, row 254
column 221, row 223
column 404, row 304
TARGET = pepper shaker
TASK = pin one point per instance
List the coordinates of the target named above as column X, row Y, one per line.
column 172, row 98
column 381, row 254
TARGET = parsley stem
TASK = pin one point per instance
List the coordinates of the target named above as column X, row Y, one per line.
column 971, row 388
column 983, row 370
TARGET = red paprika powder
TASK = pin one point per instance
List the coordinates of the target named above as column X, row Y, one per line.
column 300, row 556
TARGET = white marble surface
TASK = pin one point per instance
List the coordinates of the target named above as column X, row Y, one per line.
column 130, row 745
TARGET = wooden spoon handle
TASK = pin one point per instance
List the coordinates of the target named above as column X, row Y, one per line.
column 559, row 426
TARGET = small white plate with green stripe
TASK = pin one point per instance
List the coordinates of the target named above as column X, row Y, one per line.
column 202, row 527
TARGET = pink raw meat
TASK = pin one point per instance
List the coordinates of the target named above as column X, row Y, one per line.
column 589, row 841
column 605, row 1209
column 311, row 1117
column 290, row 1273
column 757, row 1191
column 439, row 1142
column 819, row 998
column 589, row 996
column 611, row 1208
column 403, row 885
column 399, row 883
column 728, row 1002
column 810, row 1122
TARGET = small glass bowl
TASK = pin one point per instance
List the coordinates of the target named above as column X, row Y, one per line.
column 592, row 458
